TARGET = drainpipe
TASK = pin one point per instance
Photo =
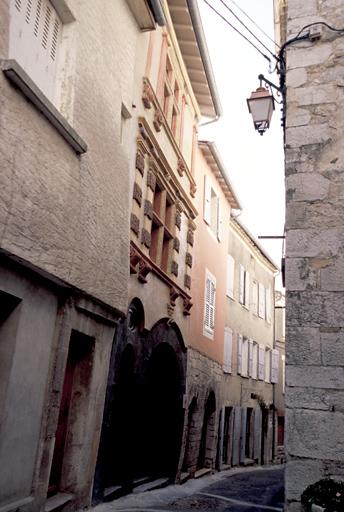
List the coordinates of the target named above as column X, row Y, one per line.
column 158, row 12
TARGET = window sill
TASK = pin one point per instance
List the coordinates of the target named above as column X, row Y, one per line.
column 208, row 334
column 17, row 76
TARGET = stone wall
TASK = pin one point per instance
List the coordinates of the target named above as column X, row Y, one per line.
column 314, row 250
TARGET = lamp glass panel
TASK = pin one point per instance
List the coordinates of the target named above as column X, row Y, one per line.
column 261, row 108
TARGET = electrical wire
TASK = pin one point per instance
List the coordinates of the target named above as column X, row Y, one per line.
column 323, row 23
column 254, row 23
column 245, row 26
column 238, row 31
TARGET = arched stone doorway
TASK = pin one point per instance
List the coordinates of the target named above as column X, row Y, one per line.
column 206, row 456
column 143, row 419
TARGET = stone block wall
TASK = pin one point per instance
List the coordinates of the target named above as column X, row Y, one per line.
column 314, row 155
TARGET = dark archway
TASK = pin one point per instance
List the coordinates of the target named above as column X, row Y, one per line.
column 163, row 412
column 190, row 455
column 206, row 449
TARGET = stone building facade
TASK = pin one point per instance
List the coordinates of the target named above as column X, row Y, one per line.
column 231, row 417
column 314, row 248
column 64, row 222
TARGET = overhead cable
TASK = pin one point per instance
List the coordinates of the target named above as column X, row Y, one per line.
column 254, row 23
column 238, row 31
column 245, row 26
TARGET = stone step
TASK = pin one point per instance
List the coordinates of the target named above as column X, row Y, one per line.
column 202, row 472
column 184, row 477
column 154, row 484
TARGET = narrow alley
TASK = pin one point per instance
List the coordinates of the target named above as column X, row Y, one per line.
column 237, row 490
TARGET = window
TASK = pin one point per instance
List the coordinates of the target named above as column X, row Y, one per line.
column 255, row 297
column 243, row 355
column 162, row 229
column 209, row 304
column 171, row 101
column 268, row 305
column 274, row 365
column 230, row 276
column 254, row 373
column 228, row 348
column 261, row 362
column 212, row 209
column 261, row 303
column 244, row 287
column 267, row 376
column 35, row 37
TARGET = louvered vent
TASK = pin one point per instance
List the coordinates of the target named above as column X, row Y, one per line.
column 46, row 28
column 17, row 4
column 54, row 40
column 38, row 17
column 28, row 11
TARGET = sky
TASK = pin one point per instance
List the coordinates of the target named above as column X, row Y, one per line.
column 254, row 163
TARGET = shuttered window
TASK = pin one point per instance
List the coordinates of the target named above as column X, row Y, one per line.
column 268, row 305
column 247, row 290
column 267, row 369
column 209, row 303
column 239, row 354
column 255, row 361
column 250, row 358
column 261, row 298
column 35, row 35
column 230, row 276
column 261, row 362
column 274, row 365
column 241, row 284
column 207, row 200
column 244, row 360
column 212, row 209
column 255, row 297
column 228, row 349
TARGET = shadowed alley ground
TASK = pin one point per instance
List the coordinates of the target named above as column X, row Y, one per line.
column 236, row 490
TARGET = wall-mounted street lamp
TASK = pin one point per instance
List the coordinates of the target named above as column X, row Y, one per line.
column 261, row 104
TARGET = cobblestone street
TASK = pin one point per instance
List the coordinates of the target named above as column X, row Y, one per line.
column 237, row 490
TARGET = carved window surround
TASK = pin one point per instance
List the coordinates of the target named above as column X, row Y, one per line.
column 150, row 100
column 141, row 265
column 161, row 165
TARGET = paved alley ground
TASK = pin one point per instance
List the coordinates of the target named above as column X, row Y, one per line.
column 236, row 490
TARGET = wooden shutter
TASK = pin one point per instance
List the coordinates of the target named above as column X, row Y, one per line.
column 255, row 361
column 230, row 276
column 244, row 358
column 268, row 305
column 261, row 298
column 247, row 290
column 255, row 297
column 209, row 303
column 35, row 35
column 250, row 358
column 261, row 362
column 228, row 348
column 207, row 200
column 239, row 354
column 219, row 220
column 274, row 365
column 241, row 285
column 267, row 369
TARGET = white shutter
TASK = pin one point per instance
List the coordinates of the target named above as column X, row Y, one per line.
column 255, row 361
column 255, row 297
column 261, row 297
column 207, row 200
column 261, row 362
column 228, row 348
column 244, row 358
column 230, row 276
column 267, row 365
column 209, row 303
column 268, row 305
column 247, row 289
column 250, row 358
column 35, row 35
column 274, row 365
column 239, row 354
column 219, row 220
column 241, row 284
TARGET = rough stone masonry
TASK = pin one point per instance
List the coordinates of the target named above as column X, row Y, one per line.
column 314, row 155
